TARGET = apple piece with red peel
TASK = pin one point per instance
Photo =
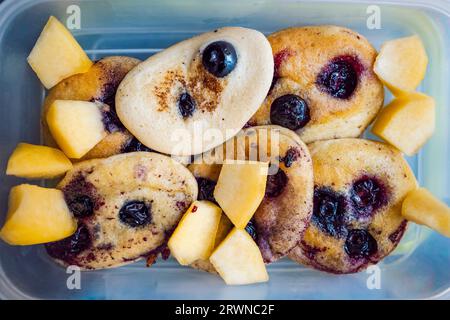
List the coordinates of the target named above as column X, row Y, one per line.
column 195, row 235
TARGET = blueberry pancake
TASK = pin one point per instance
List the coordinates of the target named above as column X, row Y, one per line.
column 323, row 85
column 99, row 83
column 126, row 206
column 198, row 93
column 283, row 215
column 359, row 189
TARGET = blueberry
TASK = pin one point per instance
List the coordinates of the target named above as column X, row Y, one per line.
column 135, row 145
column 360, row 244
column 81, row 206
column 206, row 189
column 135, row 214
column 186, row 105
column 276, row 183
column 71, row 246
column 367, row 195
column 219, row 58
column 329, row 212
column 289, row 111
column 340, row 77
column 290, row 157
column 251, row 229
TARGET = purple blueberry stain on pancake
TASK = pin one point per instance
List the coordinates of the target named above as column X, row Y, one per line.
column 292, row 155
column 397, row 235
column 81, row 196
column 276, row 183
column 367, row 195
column 339, row 78
column 68, row 249
column 330, row 212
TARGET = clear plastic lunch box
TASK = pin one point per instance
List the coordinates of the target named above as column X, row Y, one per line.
column 420, row 266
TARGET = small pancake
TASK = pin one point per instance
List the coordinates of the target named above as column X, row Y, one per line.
column 359, row 189
column 173, row 104
column 330, row 69
column 126, row 205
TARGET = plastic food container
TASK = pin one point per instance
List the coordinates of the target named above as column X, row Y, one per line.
column 419, row 268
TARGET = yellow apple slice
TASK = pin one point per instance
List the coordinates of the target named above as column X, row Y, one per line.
column 195, row 235
column 57, row 55
column 225, row 225
column 240, row 189
column 33, row 161
column 37, row 215
column 407, row 122
column 401, row 64
column 76, row 126
column 238, row 259
column 421, row 207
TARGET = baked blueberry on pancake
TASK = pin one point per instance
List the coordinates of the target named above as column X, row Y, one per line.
column 280, row 220
column 359, row 189
column 324, row 86
column 126, row 207
column 99, row 84
column 198, row 93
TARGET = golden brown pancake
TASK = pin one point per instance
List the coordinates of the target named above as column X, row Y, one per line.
column 359, row 189
column 126, row 206
column 328, row 70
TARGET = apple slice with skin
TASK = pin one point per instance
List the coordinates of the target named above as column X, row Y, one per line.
column 401, row 64
column 57, row 55
column 238, row 259
column 407, row 122
column 194, row 237
column 33, row 161
column 421, row 207
column 37, row 215
column 240, row 189
column 77, row 126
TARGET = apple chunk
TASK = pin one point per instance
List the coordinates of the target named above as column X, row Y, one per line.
column 401, row 64
column 195, row 235
column 37, row 215
column 421, row 207
column 238, row 259
column 407, row 122
column 32, row 161
column 77, row 126
column 57, row 55
column 240, row 189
